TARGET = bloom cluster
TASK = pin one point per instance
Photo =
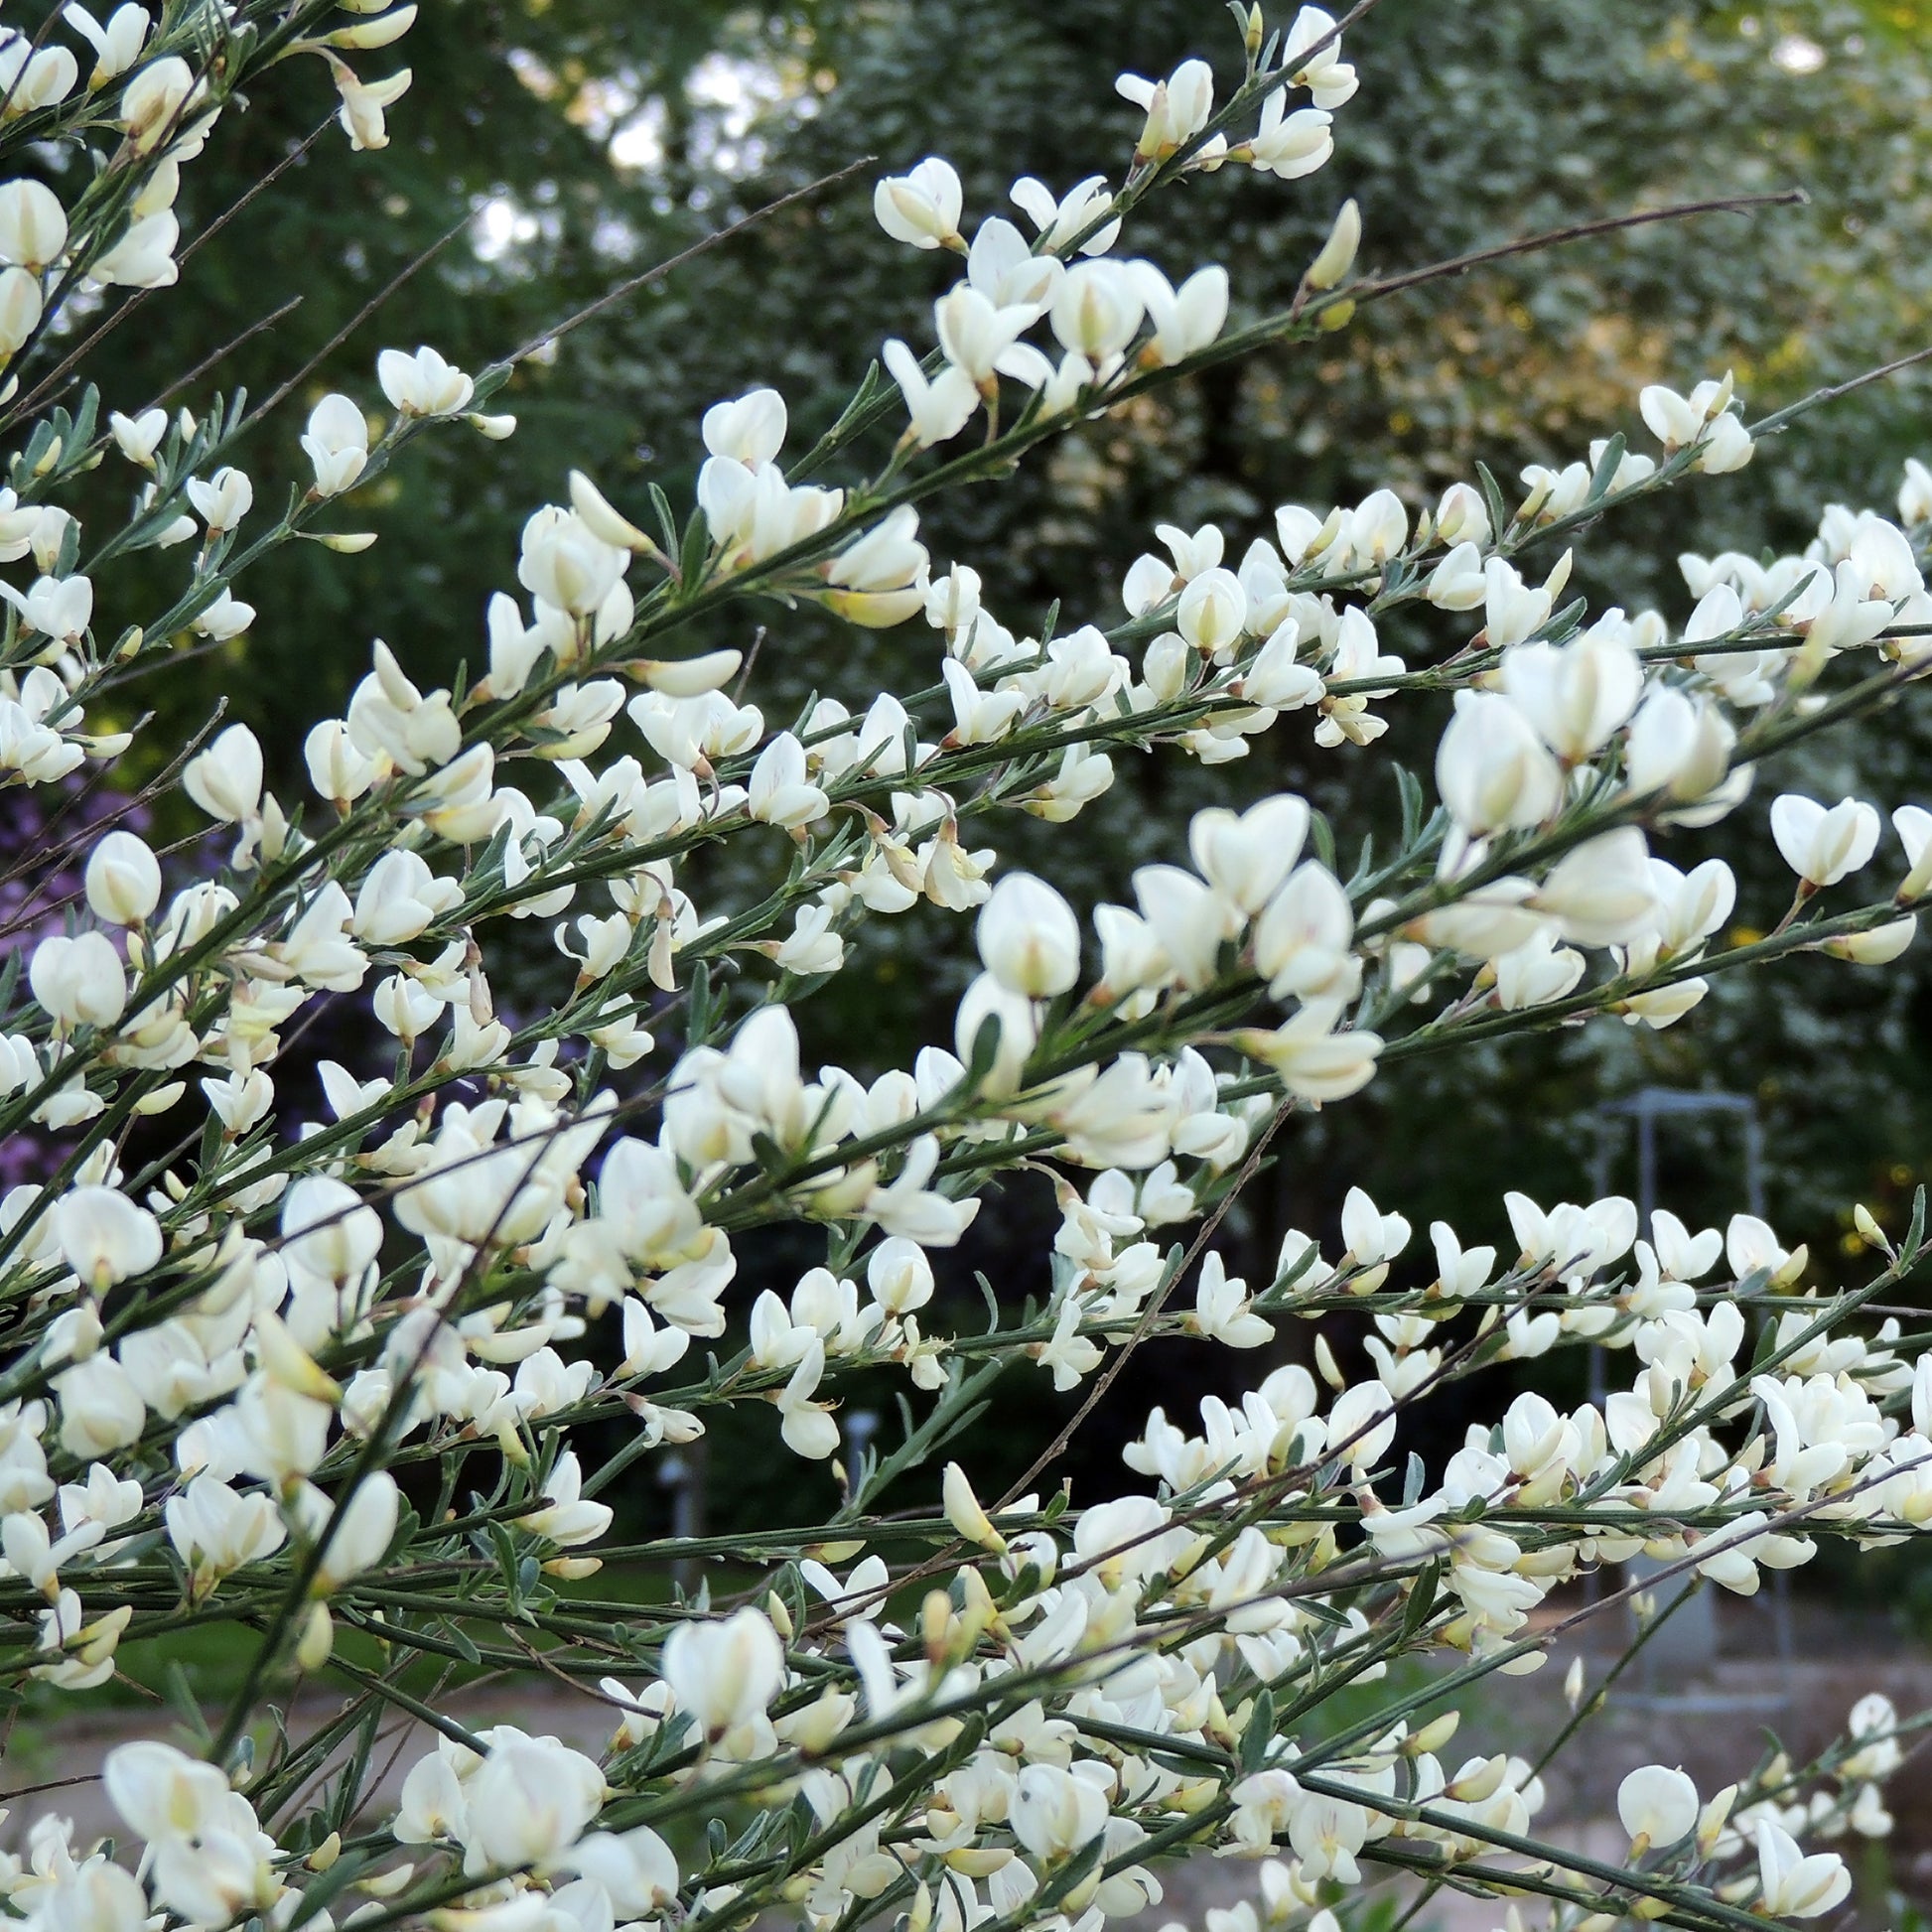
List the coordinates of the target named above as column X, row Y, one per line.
column 360, row 1374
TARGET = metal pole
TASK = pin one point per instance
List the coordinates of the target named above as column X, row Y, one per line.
column 1646, row 1161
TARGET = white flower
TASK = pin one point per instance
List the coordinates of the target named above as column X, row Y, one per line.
column 749, row 429
column 79, row 982
column 1006, row 271
column 422, row 385
column 637, row 1869
column 1054, row 1813
column 363, row 102
column 1658, row 1808
column 123, row 880
column 1329, row 80
column 724, row 1673
column 1222, row 1308
column 1492, row 769
column 1336, row 255
column 100, row 1408
column 1097, row 311
column 104, row 1237
column 1028, row 938
column 20, row 309
column 33, row 225
column 964, row 1512
column 222, row 501
column 1212, row 612
column 1301, row 941
column 1361, row 1424
column 779, row 791
column 118, row 43
column 528, row 1802
column 1286, row 145
column 1245, row 856
column 1177, row 108
column 337, row 444
column 566, row 564
column 360, row 1536
column 143, row 258
column 215, row 1530
column 920, row 207
column 1060, row 219
column 1822, row 846
column 162, row 1793
column 1601, row 892
column 1576, row 694
column 225, row 780
column 1310, row 1058
column 1792, row 1884
column 975, row 334
column 157, row 99
column 939, row 408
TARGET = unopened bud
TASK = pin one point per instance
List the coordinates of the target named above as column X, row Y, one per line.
column 1713, row 1819
column 687, row 677
column 1337, row 316
column 285, row 1361
column 390, row 27
column 1337, row 254
column 1481, row 1781
column 604, row 521
column 1326, row 1366
column 936, row 1615
column 318, row 1639
column 964, row 1513
column 1434, row 1733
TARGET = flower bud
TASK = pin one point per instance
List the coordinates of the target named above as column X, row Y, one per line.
column 964, row 1513
column 123, row 880
column 318, row 1639
column 1028, row 938
column 1337, row 254
column 33, row 225
column 20, row 309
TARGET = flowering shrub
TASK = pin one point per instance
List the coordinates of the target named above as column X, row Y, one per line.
column 308, row 1377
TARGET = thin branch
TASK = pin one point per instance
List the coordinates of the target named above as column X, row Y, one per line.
column 1556, row 237
column 226, row 350
column 396, row 282
column 43, row 388
column 704, row 246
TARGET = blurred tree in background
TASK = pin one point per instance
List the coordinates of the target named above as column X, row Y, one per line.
column 1474, row 124
column 634, row 132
